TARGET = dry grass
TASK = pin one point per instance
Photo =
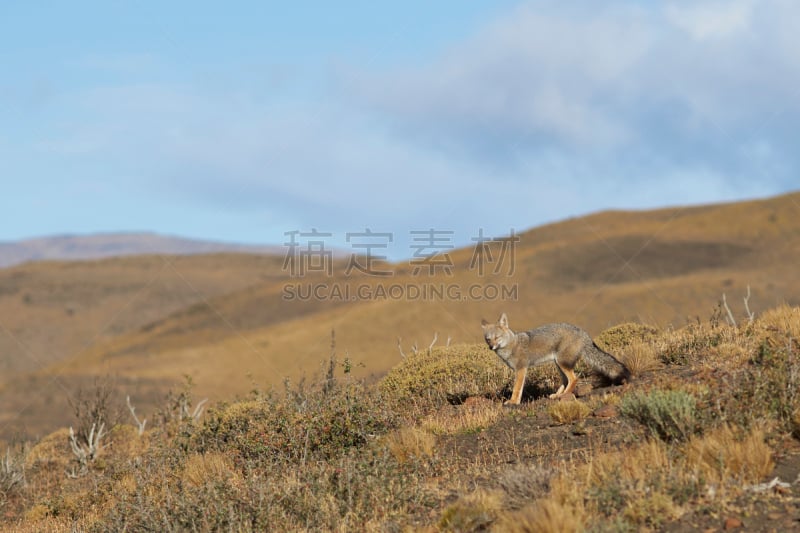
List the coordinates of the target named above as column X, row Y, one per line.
column 467, row 418
column 524, row 483
column 545, row 516
column 784, row 319
column 727, row 454
column 640, row 357
column 564, row 412
column 52, row 451
column 613, row 485
column 409, row 443
column 211, row 467
column 473, row 512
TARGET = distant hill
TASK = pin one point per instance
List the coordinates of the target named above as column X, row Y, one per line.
column 101, row 245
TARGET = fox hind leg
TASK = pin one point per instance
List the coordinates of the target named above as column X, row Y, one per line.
column 569, row 380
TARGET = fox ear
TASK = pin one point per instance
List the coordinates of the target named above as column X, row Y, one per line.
column 484, row 323
column 503, row 322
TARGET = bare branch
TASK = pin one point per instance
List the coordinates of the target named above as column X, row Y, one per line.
column 132, row 409
column 750, row 314
column 12, row 472
column 198, row 410
column 448, row 340
column 415, row 348
column 728, row 309
column 400, row 347
column 85, row 452
column 435, row 338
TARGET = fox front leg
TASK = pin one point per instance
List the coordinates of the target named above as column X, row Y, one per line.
column 519, row 382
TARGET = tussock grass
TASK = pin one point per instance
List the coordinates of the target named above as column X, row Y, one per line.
column 564, row 412
column 640, row 357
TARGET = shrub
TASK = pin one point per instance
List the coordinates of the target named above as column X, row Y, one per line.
column 669, row 414
column 301, row 425
column 616, row 338
column 446, row 374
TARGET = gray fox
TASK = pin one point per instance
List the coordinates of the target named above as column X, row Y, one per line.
column 562, row 344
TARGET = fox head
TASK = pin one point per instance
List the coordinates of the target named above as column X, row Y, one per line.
column 497, row 335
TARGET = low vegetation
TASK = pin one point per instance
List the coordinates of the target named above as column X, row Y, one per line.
column 430, row 447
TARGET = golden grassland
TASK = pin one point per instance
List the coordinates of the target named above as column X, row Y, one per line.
column 223, row 319
column 707, row 418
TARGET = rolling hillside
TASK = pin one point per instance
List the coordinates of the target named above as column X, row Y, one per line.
column 231, row 327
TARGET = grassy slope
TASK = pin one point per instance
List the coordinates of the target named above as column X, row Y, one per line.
column 711, row 410
column 661, row 267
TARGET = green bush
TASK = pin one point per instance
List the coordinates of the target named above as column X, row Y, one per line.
column 669, row 414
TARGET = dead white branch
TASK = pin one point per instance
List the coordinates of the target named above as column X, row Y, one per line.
column 85, row 452
column 187, row 412
column 763, row 487
column 731, row 320
column 132, row 409
column 400, row 347
column 750, row 314
column 435, row 338
column 12, row 472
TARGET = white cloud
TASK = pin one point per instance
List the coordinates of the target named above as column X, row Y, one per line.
column 711, row 20
column 552, row 110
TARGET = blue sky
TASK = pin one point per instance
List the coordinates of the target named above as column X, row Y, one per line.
column 244, row 120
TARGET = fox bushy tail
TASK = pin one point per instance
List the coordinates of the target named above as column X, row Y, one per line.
column 606, row 364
